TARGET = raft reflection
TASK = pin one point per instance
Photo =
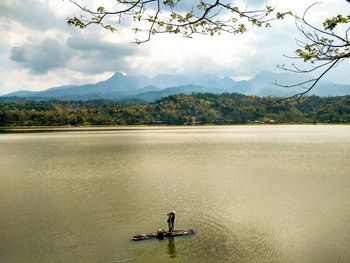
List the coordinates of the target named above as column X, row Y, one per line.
column 171, row 248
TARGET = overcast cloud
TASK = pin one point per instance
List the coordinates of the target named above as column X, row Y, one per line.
column 38, row 50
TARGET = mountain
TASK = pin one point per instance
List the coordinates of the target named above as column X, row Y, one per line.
column 119, row 85
column 156, row 95
column 332, row 89
column 141, row 88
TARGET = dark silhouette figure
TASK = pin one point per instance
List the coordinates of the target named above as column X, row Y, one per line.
column 171, row 220
column 160, row 234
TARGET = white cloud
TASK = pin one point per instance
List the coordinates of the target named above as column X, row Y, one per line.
column 93, row 54
column 199, row 55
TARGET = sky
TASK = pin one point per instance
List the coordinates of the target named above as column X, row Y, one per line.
column 38, row 50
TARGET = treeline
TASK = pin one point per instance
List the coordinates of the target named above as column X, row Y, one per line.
column 176, row 110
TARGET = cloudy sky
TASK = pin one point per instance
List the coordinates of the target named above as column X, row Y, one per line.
column 38, row 50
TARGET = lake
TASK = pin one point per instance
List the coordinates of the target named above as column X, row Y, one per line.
column 253, row 193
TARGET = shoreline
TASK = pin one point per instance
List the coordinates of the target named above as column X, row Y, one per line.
column 38, row 129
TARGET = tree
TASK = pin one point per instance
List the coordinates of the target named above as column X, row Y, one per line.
column 323, row 47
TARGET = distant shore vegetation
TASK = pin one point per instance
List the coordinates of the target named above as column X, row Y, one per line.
column 193, row 109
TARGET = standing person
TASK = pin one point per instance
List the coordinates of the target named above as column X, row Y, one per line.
column 171, row 220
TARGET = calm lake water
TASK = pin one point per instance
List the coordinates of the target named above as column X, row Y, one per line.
column 253, row 193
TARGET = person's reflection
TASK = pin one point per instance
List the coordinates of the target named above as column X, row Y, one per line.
column 171, row 248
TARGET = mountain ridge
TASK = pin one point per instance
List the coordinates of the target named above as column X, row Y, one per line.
column 141, row 88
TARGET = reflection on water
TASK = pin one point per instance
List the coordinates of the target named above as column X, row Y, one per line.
column 171, row 248
column 253, row 193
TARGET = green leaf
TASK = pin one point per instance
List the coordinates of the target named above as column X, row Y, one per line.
column 101, row 9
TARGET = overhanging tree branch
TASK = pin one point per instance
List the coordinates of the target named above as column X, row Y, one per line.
column 323, row 47
column 152, row 17
column 300, row 95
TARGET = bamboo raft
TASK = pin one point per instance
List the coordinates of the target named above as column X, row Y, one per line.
column 166, row 234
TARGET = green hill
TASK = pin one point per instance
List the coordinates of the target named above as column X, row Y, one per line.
column 199, row 108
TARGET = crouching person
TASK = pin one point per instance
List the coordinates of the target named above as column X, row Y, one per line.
column 161, row 234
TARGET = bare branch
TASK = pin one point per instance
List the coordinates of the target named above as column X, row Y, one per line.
column 321, row 46
column 315, row 81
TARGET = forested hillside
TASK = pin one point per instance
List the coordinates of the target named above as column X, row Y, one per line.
column 177, row 110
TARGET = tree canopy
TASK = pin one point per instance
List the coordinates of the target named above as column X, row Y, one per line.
column 194, row 109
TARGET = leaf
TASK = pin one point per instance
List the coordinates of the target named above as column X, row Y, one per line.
column 101, row 9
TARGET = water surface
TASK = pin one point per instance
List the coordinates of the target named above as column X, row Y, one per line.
column 253, row 193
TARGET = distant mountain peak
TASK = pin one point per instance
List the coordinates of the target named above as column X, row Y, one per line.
column 119, row 74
